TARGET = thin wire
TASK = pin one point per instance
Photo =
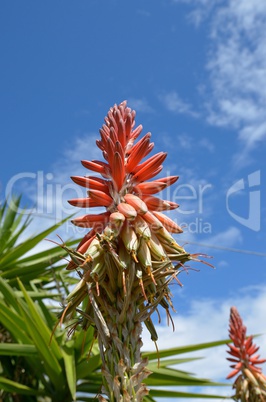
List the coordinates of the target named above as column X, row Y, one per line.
column 234, row 250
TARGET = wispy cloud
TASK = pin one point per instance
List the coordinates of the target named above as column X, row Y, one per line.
column 207, row 144
column 201, row 9
column 174, row 103
column 48, row 191
column 144, row 13
column 237, row 67
column 140, row 105
column 236, row 64
column 187, row 142
column 184, row 141
column 228, row 238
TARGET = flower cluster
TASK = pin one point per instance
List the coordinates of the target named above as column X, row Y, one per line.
column 129, row 255
column 129, row 248
column 250, row 384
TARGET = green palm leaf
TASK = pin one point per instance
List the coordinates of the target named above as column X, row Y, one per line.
column 13, row 260
column 17, row 388
column 17, row 349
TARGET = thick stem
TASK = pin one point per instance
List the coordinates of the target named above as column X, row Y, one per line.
column 123, row 368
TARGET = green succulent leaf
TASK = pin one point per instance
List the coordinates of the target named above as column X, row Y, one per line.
column 17, row 349
column 68, row 353
column 184, row 349
column 41, row 335
column 15, row 387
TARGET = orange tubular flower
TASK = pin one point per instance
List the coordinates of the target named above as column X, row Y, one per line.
column 124, row 187
column 250, row 384
column 124, row 177
column 129, row 256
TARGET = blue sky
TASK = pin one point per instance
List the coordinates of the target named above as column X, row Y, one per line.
column 195, row 72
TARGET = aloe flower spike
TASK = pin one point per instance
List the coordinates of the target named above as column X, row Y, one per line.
column 128, row 257
column 250, row 384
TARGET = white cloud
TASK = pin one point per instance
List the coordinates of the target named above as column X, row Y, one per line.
column 189, row 143
column 201, row 10
column 227, row 238
column 207, row 144
column 206, row 321
column 140, row 105
column 173, row 102
column 237, row 67
column 143, row 13
column 236, row 63
column 184, row 141
column 83, row 148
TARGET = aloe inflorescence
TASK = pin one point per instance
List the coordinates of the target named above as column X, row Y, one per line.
column 129, row 255
column 250, row 384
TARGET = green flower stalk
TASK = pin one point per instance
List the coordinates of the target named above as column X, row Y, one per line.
column 129, row 256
